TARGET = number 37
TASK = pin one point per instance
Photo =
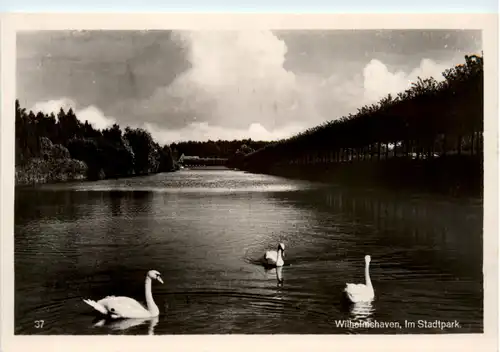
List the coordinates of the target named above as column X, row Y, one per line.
column 39, row 324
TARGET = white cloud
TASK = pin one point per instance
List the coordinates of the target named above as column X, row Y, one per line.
column 53, row 106
column 235, row 79
column 204, row 132
column 379, row 81
column 95, row 117
column 90, row 113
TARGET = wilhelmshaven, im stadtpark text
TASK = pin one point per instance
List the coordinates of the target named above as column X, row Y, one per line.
column 419, row 324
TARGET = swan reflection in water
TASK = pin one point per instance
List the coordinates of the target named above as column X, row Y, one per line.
column 277, row 272
column 361, row 311
column 124, row 324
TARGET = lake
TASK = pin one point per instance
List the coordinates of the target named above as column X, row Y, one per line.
column 204, row 230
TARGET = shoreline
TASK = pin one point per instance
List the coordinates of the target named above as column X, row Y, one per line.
column 453, row 176
column 38, row 176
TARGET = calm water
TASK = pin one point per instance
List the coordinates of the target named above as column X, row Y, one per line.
column 202, row 229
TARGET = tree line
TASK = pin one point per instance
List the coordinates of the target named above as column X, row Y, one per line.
column 107, row 153
column 429, row 120
column 217, row 149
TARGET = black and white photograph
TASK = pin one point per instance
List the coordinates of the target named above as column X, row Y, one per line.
column 249, row 181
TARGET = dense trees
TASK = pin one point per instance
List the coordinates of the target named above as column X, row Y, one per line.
column 105, row 153
column 429, row 120
column 239, row 156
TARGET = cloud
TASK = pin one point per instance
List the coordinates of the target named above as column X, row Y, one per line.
column 95, row 117
column 204, row 132
column 239, row 79
column 242, row 85
column 92, row 114
column 379, row 81
column 235, row 79
column 53, row 106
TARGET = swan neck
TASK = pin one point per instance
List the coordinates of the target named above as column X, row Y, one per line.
column 150, row 303
column 367, row 275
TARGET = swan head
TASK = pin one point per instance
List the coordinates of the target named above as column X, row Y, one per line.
column 155, row 275
column 368, row 258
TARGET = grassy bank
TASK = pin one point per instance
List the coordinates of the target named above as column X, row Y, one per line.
column 38, row 170
column 53, row 163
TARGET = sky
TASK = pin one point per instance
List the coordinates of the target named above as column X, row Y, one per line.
column 201, row 85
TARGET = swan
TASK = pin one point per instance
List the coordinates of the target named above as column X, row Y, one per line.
column 361, row 292
column 275, row 258
column 125, row 307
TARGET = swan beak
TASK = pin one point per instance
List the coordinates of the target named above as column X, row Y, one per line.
column 159, row 279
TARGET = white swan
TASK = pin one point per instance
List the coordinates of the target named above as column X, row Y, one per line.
column 125, row 307
column 361, row 292
column 275, row 258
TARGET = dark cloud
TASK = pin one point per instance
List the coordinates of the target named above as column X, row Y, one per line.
column 95, row 67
